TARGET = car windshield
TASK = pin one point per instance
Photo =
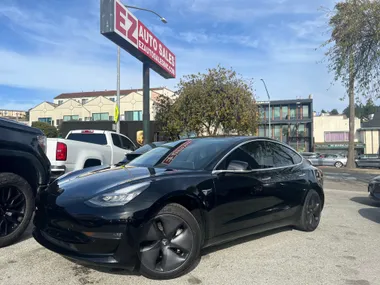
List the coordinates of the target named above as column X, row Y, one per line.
column 148, row 147
column 184, row 154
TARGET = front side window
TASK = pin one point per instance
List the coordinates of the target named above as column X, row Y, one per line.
column 126, row 143
column 251, row 153
column 116, row 140
column 282, row 155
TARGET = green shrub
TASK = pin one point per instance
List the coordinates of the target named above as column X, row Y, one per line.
column 49, row 130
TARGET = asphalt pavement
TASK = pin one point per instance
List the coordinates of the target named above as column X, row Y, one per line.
column 343, row 250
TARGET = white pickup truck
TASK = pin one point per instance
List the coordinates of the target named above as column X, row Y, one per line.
column 86, row 148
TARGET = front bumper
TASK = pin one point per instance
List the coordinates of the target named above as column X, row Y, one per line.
column 374, row 191
column 91, row 240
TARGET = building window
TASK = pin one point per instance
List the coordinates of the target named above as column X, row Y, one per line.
column 100, row 116
column 293, row 112
column 336, row 136
column 133, row 115
column 285, row 134
column 276, row 111
column 266, row 112
column 84, row 101
column 71, row 118
column 285, row 113
column 112, row 99
column 301, row 130
column 60, row 102
column 305, row 111
column 261, row 131
column 45, row 120
column 277, row 132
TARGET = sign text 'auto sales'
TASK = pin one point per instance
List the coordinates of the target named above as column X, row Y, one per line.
column 122, row 27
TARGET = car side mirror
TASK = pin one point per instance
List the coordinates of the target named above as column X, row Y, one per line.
column 237, row 165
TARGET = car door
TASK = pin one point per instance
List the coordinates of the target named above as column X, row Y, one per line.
column 244, row 198
column 290, row 180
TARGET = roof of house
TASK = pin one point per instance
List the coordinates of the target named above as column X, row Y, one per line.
column 374, row 123
column 101, row 93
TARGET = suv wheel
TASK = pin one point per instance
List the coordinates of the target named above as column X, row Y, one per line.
column 16, row 207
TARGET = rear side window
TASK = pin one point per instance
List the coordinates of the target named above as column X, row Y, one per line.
column 99, row 139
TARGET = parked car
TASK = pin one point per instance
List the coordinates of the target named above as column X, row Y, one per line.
column 368, row 161
column 24, row 170
column 136, row 153
column 159, row 210
column 374, row 188
column 86, row 148
column 329, row 160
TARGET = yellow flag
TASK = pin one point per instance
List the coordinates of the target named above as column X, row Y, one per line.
column 116, row 116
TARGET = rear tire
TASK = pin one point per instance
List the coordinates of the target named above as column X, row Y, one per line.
column 311, row 212
column 16, row 207
column 171, row 243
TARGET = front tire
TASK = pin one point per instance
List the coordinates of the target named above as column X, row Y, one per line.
column 338, row 164
column 16, row 207
column 311, row 212
column 171, row 243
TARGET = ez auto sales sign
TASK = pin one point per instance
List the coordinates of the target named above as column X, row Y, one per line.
column 119, row 25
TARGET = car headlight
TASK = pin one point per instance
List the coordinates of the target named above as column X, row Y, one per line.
column 118, row 197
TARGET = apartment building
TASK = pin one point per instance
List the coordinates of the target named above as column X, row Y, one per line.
column 291, row 122
column 13, row 114
column 96, row 106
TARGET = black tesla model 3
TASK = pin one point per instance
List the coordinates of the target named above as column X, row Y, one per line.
column 158, row 211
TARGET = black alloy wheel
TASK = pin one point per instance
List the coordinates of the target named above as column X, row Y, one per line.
column 311, row 212
column 16, row 207
column 170, row 244
column 12, row 209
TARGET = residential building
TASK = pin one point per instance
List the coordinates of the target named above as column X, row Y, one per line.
column 291, row 122
column 331, row 134
column 369, row 134
column 96, row 106
column 13, row 114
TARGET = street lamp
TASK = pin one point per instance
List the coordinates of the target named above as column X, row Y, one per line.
column 146, row 106
column 270, row 130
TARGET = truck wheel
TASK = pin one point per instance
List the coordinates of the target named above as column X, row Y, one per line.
column 16, row 207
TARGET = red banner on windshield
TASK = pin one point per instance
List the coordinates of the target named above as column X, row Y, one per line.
column 177, row 151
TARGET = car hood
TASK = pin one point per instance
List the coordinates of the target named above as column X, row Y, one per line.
column 87, row 183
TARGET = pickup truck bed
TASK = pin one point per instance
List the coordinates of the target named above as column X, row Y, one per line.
column 86, row 148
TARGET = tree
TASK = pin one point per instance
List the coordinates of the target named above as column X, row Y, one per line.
column 362, row 111
column 323, row 111
column 334, row 112
column 217, row 101
column 49, row 130
column 353, row 53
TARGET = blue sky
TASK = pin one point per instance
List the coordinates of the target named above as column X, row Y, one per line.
column 50, row 46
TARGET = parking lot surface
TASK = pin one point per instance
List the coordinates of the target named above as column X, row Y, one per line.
column 343, row 250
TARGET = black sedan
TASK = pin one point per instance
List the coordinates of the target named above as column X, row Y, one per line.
column 161, row 209
column 145, row 148
column 374, row 188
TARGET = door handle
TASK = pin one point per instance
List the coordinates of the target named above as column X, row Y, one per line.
column 266, row 178
column 302, row 175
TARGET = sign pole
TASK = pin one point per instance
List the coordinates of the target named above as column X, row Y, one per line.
column 118, row 92
column 146, row 102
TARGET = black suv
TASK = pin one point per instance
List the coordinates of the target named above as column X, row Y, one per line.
column 24, row 170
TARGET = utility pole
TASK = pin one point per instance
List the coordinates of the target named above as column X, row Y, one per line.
column 270, row 115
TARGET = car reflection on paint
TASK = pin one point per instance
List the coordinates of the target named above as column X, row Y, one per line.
column 336, row 160
column 157, row 212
